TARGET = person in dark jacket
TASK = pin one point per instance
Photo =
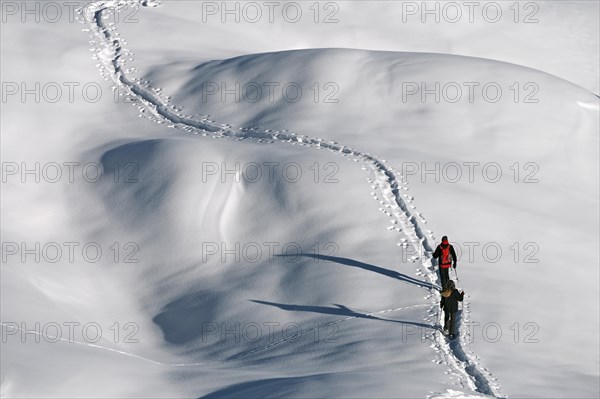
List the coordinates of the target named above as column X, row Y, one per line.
column 446, row 257
column 449, row 302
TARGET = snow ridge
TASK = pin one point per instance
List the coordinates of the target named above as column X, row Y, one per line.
column 397, row 205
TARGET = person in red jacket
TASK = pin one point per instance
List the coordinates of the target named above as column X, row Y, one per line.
column 446, row 257
column 450, row 299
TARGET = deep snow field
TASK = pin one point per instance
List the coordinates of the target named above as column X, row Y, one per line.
column 251, row 213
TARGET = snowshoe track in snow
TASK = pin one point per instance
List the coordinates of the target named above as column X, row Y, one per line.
column 391, row 191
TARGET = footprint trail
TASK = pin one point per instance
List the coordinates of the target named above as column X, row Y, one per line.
column 390, row 189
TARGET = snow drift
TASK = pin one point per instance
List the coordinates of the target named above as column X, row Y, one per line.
column 306, row 286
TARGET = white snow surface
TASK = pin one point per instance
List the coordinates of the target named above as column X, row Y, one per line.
column 356, row 313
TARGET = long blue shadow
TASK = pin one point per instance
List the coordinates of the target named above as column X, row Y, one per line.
column 372, row 268
column 339, row 310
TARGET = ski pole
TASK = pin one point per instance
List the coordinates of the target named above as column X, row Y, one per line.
column 457, row 281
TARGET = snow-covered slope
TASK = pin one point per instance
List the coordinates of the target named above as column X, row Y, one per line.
column 561, row 38
column 230, row 268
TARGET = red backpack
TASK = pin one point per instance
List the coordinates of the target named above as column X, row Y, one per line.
column 446, row 257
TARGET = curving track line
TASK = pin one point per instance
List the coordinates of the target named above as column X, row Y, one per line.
column 405, row 219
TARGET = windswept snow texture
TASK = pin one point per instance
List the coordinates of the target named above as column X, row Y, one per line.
column 278, row 248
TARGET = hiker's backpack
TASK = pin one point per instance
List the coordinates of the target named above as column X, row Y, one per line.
column 446, row 257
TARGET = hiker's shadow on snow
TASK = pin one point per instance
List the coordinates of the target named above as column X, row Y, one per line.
column 339, row 310
column 366, row 266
